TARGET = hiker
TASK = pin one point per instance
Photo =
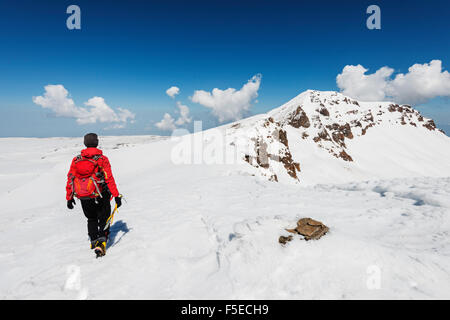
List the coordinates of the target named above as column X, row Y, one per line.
column 90, row 179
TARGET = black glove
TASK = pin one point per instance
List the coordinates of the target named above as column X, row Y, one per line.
column 70, row 203
column 118, row 201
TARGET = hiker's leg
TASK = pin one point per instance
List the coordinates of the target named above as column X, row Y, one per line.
column 104, row 212
column 90, row 211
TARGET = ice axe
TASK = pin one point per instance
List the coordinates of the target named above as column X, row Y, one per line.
column 110, row 219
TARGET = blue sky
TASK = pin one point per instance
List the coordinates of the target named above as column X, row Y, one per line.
column 131, row 52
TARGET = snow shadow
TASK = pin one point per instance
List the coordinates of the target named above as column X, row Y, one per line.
column 118, row 227
column 418, row 197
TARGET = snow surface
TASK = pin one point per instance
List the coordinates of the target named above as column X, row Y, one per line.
column 210, row 231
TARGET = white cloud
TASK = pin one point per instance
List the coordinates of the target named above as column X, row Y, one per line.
column 184, row 114
column 355, row 83
column 229, row 104
column 173, row 91
column 422, row 83
column 125, row 114
column 56, row 98
column 167, row 123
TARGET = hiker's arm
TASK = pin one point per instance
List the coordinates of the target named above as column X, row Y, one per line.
column 71, row 173
column 109, row 179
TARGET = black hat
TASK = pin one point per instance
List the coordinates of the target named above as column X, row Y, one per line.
column 91, row 140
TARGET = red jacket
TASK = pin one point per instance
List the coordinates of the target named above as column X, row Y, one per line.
column 103, row 164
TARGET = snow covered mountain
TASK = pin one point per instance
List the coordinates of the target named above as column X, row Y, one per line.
column 377, row 174
column 326, row 137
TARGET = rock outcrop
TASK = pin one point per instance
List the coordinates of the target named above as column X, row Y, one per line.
column 309, row 228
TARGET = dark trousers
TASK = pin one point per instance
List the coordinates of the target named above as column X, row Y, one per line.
column 97, row 212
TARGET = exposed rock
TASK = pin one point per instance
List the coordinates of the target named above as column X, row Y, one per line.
column 268, row 122
column 345, row 156
column 247, row 158
column 402, row 109
column 430, row 125
column 338, row 137
column 282, row 137
column 322, row 135
column 284, row 240
column 364, row 130
column 402, row 121
column 291, row 167
column 344, row 130
column 368, row 117
column 347, row 131
column 408, row 108
column 299, row 119
column 262, row 155
column 356, row 123
column 324, row 111
column 393, row 107
column 310, row 229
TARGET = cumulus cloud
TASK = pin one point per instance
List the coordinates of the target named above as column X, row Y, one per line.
column 167, row 123
column 173, row 91
column 229, row 104
column 355, row 83
column 421, row 83
column 184, row 114
column 56, row 98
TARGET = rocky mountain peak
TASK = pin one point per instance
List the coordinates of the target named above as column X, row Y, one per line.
column 327, row 119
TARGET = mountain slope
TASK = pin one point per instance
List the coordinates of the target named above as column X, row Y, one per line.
column 326, row 137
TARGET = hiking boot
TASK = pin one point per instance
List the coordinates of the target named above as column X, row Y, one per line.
column 100, row 246
column 97, row 242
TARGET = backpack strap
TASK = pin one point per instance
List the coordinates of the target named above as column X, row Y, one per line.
column 96, row 187
column 100, row 173
column 93, row 160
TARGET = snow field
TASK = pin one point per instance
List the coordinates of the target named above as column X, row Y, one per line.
column 211, row 232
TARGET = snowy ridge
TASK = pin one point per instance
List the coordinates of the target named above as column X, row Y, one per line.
column 323, row 127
